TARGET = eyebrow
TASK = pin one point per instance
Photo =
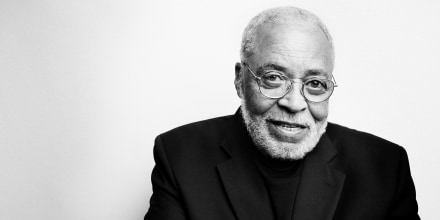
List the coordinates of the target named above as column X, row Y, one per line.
column 271, row 66
column 317, row 72
column 275, row 66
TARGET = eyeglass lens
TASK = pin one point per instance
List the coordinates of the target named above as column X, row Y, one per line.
column 314, row 90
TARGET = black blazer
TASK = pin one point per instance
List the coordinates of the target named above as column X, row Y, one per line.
column 204, row 171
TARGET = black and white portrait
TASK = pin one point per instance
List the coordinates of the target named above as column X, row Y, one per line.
column 90, row 90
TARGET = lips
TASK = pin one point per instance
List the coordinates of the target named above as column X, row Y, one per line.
column 287, row 125
column 286, row 131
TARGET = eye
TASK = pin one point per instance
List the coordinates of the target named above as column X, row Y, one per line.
column 273, row 79
column 316, row 84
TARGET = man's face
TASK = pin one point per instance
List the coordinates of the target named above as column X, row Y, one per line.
column 288, row 127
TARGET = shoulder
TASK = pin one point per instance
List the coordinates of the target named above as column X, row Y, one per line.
column 345, row 135
column 374, row 168
column 201, row 138
column 354, row 143
column 367, row 158
column 193, row 148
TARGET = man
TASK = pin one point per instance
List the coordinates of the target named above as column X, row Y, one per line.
column 278, row 157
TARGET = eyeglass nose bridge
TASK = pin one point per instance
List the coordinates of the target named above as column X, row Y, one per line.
column 290, row 86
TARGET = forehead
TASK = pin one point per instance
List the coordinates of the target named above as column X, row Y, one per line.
column 298, row 48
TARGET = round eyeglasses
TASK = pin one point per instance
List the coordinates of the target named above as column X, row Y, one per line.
column 274, row 84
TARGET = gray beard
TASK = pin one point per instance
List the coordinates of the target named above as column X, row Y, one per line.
column 258, row 130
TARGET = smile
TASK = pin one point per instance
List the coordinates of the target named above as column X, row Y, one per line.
column 288, row 129
column 288, row 125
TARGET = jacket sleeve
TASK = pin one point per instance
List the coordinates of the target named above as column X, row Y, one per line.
column 404, row 204
column 166, row 202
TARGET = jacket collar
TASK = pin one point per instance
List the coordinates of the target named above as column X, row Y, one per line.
column 320, row 184
column 319, row 187
column 240, row 176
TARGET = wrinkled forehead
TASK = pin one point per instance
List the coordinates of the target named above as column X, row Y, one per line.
column 294, row 40
column 295, row 34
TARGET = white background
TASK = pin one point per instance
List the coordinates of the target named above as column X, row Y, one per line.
column 85, row 86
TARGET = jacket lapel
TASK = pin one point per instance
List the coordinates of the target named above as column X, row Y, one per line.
column 320, row 184
column 242, row 181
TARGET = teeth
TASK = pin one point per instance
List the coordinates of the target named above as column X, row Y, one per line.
column 289, row 128
column 287, row 125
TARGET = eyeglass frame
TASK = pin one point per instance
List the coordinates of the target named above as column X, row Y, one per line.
column 298, row 80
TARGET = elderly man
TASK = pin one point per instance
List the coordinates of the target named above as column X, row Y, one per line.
column 278, row 157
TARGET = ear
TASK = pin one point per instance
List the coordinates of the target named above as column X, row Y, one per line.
column 238, row 81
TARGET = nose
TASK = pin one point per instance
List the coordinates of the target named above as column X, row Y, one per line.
column 293, row 101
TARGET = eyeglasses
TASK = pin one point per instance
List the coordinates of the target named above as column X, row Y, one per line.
column 274, row 84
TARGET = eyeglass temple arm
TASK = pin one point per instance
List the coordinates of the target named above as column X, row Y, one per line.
column 252, row 72
column 336, row 84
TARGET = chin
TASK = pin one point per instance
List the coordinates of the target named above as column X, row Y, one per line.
column 287, row 150
column 279, row 147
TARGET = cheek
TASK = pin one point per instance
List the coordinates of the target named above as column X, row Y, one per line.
column 319, row 111
column 255, row 102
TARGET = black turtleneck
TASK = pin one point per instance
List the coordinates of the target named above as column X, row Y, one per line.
column 281, row 178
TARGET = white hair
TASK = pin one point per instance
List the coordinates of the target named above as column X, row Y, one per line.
column 279, row 15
